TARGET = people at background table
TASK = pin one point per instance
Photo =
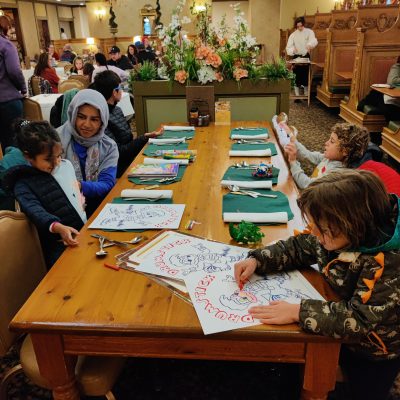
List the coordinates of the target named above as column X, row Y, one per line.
column 101, row 65
column 92, row 153
column 353, row 235
column 46, row 71
column 47, row 189
column 146, row 44
column 67, row 55
column 63, row 35
column 346, row 145
column 132, row 53
column 53, row 53
column 87, row 70
column 77, row 66
column 12, row 85
column 108, row 84
column 299, row 44
column 144, row 55
column 119, row 60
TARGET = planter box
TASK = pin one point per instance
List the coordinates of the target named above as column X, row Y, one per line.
column 158, row 102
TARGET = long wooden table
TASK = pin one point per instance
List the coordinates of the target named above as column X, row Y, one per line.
column 395, row 92
column 81, row 307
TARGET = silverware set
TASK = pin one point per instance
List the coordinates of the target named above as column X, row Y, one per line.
column 158, row 180
column 250, row 141
column 234, row 189
column 142, row 198
column 245, row 128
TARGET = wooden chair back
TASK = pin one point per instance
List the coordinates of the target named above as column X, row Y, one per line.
column 32, row 110
column 35, row 85
column 70, row 84
column 80, row 78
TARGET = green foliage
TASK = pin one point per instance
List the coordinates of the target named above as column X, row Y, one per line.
column 276, row 70
column 245, row 232
column 146, row 72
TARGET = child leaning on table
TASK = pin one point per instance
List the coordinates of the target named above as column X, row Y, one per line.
column 47, row 189
column 354, row 237
column 346, row 144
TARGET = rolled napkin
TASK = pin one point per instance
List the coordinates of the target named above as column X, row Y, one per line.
column 271, row 218
column 148, row 160
column 146, row 194
column 250, row 153
column 166, row 141
column 248, row 184
column 178, row 128
column 252, row 137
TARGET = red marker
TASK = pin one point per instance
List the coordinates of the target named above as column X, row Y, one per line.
column 241, row 285
column 114, row 267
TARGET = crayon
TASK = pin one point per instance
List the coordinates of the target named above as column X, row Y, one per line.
column 114, row 267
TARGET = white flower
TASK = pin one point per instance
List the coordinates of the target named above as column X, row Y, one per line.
column 185, row 20
column 205, row 74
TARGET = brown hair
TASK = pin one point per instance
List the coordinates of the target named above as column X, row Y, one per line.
column 353, row 141
column 352, row 202
column 42, row 64
column 5, row 25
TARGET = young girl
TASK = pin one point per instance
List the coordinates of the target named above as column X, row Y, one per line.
column 77, row 66
column 346, row 144
column 354, row 236
column 46, row 189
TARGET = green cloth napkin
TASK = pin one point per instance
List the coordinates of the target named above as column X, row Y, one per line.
column 177, row 134
column 155, row 181
column 241, row 174
column 120, row 200
column 246, row 146
column 239, row 203
column 151, row 149
column 248, row 132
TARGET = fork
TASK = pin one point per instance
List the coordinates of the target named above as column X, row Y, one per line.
column 244, row 128
column 157, row 180
column 247, row 141
column 258, row 194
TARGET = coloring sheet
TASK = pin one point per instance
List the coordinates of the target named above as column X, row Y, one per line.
column 176, row 255
column 139, row 216
column 221, row 306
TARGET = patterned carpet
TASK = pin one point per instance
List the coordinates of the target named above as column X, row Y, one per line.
column 144, row 379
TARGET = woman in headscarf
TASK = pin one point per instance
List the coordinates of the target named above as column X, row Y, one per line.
column 92, row 153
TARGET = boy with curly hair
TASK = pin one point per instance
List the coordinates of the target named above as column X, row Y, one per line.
column 347, row 144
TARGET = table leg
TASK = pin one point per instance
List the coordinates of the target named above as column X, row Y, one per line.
column 57, row 367
column 320, row 370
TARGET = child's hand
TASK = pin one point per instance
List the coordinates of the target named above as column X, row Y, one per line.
column 67, row 234
column 244, row 269
column 291, row 150
column 276, row 313
column 154, row 133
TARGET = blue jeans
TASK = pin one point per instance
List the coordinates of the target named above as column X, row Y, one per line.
column 9, row 111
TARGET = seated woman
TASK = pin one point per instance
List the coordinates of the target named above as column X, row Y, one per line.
column 46, row 71
column 77, row 66
column 132, row 53
column 101, row 63
column 93, row 154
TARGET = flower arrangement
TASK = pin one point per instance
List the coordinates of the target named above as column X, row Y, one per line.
column 215, row 54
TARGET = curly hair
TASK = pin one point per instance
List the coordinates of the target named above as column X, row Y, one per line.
column 353, row 141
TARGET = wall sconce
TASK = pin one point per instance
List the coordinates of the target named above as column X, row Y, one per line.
column 137, row 38
column 90, row 40
column 1, row 12
column 199, row 8
column 100, row 13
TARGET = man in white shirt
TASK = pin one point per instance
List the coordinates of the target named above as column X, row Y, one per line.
column 63, row 35
column 299, row 44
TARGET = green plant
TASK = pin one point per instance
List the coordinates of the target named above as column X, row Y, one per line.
column 245, row 232
column 276, row 70
column 146, row 72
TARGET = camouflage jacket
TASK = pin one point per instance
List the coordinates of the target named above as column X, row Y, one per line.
column 368, row 283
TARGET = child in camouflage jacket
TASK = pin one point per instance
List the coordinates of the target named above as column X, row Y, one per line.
column 354, row 237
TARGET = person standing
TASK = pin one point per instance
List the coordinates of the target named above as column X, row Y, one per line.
column 12, row 85
column 299, row 44
column 63, row 35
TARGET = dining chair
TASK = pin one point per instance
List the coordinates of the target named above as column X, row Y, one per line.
column 80, row 78
column 21, row 271
column 70, row 84
column 32, row 110
column 67, row 67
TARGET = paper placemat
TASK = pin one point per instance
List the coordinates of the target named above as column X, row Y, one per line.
column 159, row 181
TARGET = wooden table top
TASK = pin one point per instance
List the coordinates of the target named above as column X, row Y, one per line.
column 395, row 92
column 345, row 75
column 80, row 295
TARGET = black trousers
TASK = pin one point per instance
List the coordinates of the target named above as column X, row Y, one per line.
column 368, row 380
column 301, row 71
column 9, row 111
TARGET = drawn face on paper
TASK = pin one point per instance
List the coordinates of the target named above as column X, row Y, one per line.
column 239, row 300
column 184, row 260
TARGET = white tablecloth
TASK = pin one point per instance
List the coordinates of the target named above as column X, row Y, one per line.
column 47, row 101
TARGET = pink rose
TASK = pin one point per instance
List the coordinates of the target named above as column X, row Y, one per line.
column 214, row 60
column 219, row 77
column 202, row 52
column 239, row 73
column 181, row 76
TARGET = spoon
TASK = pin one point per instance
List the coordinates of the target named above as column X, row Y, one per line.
column 236, row 190
column 101, row 252
column 135, row 240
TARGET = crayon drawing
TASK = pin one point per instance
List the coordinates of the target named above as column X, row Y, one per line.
column 139, row 216
column 221, row 306
column 179, row 255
